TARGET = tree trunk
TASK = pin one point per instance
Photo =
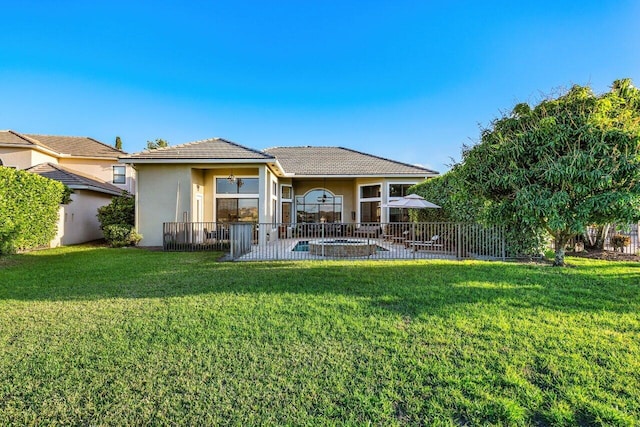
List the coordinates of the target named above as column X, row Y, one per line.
column 560, row 243
column 603, row 230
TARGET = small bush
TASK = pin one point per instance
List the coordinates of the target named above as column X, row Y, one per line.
column 619, row 241
column 117, row 221
column 121, row 210
column 120, row 235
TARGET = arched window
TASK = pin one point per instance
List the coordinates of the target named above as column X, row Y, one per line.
column 319, row 205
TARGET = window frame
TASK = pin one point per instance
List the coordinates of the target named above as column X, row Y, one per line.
column 123, row 174
column 377, row 199
column 219, row 196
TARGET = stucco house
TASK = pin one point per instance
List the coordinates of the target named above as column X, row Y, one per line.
column 216, row 180
column 87, row 166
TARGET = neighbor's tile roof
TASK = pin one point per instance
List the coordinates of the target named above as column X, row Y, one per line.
column 80, row 146
column 340, row 161
column 214, row 148
column 73, row 179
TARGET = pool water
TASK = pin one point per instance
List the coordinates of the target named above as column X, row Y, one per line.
column 303, row 246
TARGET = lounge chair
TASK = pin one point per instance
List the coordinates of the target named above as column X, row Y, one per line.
column 431, row 244
column 368, row 231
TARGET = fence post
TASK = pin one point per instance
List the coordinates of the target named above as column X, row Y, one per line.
column 232, row 236
column 458, row 241
column 413, row 237
column 503, row 242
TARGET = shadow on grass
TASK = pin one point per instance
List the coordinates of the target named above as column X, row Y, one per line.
column 409, row 288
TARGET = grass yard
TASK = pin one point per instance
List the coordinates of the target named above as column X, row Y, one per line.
column 125, row 336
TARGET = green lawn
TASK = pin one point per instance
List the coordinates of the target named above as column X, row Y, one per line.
column 125, row 336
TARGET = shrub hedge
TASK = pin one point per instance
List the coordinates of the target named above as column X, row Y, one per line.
column 117, row 221
column 29, row 206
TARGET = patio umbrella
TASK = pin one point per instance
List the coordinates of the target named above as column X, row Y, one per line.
column 411, row 201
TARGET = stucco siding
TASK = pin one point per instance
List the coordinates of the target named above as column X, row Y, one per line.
column 164, row 195
column 102, row 169
column 23, row 158
column 78, row 221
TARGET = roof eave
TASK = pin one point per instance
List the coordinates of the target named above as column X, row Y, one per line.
column 55, row 153
column 379, row 175
column 134, row 160
column 94, row 188
column 31, row 147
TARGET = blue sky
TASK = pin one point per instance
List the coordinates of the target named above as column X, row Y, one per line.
column 408, row 80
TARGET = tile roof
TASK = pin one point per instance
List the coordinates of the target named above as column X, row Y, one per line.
column 323, row 161
column 213, row 148
column 73, row 179
column 80, row 146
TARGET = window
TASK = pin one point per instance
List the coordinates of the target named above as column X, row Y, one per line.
column 370, row 203
column 237, row 210
column 369, row 211
column 286, row 192
column 287, row 203
column 398, row 215
column 369, row 191
column 237, row 200
column 286, row 212
column 119, row 175
column 238, row 186
column 319, row 206
column 399, row 190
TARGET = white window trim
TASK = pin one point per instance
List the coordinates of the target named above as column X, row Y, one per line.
column 124, row 174
column 287, row 200
column 368, row 199
column 389, row 184
column 294, row 220
column 233, row 195
column 284, row 199
column 217, row 196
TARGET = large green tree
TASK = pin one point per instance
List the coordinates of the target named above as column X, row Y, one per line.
column 448, row 192
column 563, row 164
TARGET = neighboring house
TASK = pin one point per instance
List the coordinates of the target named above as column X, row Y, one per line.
column 89, row 167
column 216, row 180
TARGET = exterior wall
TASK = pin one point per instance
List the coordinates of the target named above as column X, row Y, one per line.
column 78, row 221
column 23, row 158
column 163, row 195
column 101, row 168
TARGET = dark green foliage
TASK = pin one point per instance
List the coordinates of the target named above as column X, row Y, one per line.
column 562, row 165
column 66, row 196
column 117, row 221
column 448, row 192
column 29, row 206
column 120, row 235
column 121, row 210
column 158, row 143
column 118, row 143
